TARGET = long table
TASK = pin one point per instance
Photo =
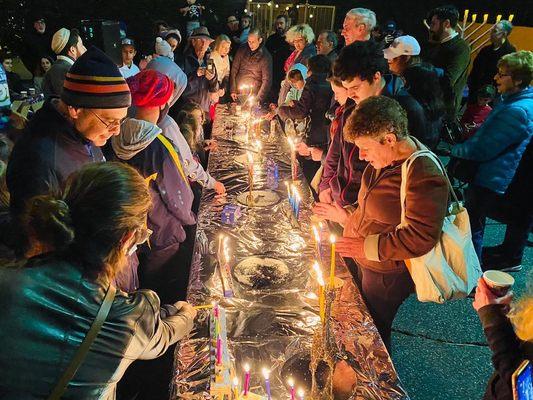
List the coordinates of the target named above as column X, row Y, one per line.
column 265, row 328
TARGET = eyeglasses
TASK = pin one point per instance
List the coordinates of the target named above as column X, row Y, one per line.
column 109, row 125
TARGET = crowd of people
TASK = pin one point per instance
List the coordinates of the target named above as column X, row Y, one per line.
column 101, row 188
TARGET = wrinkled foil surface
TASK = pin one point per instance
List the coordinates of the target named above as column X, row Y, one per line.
column 267, row 327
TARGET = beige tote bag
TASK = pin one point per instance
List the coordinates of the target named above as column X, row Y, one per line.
column 451, row 269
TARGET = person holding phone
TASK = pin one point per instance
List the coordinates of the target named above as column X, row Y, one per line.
column 509, row 331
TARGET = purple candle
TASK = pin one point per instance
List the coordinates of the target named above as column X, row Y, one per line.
column 266, row 374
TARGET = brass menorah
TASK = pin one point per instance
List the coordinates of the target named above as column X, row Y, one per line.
column 471, row 37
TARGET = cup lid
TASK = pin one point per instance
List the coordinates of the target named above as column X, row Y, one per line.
column 498, row 278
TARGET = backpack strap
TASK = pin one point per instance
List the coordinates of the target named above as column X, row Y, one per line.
column 174, row 156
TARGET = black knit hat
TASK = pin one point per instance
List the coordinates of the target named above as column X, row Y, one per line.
column 94, row 81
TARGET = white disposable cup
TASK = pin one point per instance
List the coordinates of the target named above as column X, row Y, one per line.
column 499, row 282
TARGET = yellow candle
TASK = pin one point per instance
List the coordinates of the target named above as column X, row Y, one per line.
column 235, row 388
column 332, row 270
column 474, row 17
column 321, row 292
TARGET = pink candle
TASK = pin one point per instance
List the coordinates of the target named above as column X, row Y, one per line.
column 219, row 351
column 290, row 381
column 246, row 379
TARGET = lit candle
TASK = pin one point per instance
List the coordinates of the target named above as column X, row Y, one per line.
column 301, row 394
column 316, row 233
column 266, row 374
column 250, row 175
column 217, row 321
column 219, row 350
column 226, row 250
column 465, row 18
column 332, row 268
column 288, row 192
column 292, row 145
column 235, row 384
column 246, row 379
column 219, row 251
column 290, row 381
column 321, row 292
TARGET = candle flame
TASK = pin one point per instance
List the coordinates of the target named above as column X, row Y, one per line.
column 485, row 17
column 300, row 393
column 226, row 250
column 316, row 233
column 332, row 239
column 246, row 367
column 257, row 145
column 290, row 382
column 266, row 373
column 235, row 382
column 318, row 271
column 498, row 18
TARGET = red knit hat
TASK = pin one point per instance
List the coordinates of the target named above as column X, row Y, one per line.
column 150, row 88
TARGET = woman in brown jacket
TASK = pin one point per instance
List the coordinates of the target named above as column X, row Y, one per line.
column 372, row 236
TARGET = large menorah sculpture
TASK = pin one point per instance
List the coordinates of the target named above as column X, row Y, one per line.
column 470, row 36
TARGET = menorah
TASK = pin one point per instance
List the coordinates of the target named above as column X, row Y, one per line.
column 471, row 37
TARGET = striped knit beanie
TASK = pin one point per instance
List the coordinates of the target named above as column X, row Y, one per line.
column 94, row 81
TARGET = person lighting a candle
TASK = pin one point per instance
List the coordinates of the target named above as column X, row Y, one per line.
column 378, row 126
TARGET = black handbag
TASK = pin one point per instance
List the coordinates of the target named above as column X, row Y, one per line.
column 462, row 170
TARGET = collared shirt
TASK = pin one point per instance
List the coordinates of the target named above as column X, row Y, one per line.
column 66, row 58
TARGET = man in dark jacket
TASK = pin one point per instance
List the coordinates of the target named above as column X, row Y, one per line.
column 280, row 50
column 68, row 46
column 313, row 104
column 485, row 64
column 202, row 81
column 449, row 53
column 326, row 43
column 252, row 66
column 362, row 69
column 67, row 132
column 36, row 44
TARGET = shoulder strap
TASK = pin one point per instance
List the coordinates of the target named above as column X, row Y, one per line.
column 174, row 156
column 405, row 171
column 82, row 351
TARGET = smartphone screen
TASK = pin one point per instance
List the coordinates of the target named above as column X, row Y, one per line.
column 210, row 65
column 523, row 382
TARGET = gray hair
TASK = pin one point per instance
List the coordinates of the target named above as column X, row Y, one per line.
column 366, row 16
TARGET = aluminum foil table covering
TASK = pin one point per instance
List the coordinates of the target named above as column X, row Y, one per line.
column 267, row 327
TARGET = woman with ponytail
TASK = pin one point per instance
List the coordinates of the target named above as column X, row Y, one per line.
column 49, row 303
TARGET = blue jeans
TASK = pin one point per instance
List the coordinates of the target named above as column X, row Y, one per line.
column 479, row 202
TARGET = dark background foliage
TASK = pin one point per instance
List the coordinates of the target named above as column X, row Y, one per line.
column 139, row 15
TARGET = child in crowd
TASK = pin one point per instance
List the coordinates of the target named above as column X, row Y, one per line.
column 128, row 68
column 296, row 77
column 313, row 104
column 476, row 113
column 192, row 11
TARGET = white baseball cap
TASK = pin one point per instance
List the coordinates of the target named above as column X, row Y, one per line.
column 402, row 46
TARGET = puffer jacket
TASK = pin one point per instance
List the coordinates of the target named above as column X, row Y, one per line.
column 314, row 103
column 252, row 68
column 47, row 308
column 500, row 142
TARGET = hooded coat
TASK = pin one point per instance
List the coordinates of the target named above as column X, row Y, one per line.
column 137, row 145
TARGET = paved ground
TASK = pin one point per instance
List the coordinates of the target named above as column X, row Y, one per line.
column 440, row 351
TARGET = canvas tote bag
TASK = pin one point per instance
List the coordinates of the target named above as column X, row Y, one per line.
column 451, row 269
